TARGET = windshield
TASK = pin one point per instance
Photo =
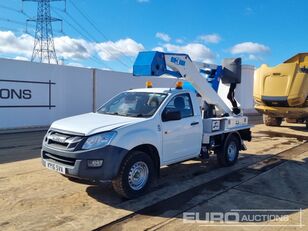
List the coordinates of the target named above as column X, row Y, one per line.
column 135, row 104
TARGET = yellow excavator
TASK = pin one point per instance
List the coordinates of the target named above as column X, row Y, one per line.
column 281, row 92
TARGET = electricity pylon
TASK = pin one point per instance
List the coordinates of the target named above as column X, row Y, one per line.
column 44, row 47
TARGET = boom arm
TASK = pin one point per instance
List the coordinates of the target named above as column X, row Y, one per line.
column 183, row 64
column 155, row 64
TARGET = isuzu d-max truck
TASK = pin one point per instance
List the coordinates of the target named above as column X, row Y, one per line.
column 130, row 137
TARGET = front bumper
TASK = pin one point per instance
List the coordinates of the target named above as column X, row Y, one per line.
column 76, row 162
column 284, row 112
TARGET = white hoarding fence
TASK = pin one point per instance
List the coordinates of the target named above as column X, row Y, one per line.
column 33, row 94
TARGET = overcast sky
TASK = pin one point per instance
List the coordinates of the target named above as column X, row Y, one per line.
column 109, row 33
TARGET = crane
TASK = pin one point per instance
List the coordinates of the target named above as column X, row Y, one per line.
column 154, row 63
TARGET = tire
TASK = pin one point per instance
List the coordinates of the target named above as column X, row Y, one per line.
column 228, row 153
column 272, row 121
column 125, row 184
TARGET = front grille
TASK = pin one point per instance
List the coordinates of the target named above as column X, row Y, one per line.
column 275, row 101
column 62, row 141
column 59, row 159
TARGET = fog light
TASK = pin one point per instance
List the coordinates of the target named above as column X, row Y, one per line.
column 95, row 163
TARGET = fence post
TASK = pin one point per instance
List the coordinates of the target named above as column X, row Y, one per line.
column 94, row 91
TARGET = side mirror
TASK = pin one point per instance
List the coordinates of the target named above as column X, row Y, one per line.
column 171, row 115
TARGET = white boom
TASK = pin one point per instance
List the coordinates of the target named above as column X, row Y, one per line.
column 188, row 70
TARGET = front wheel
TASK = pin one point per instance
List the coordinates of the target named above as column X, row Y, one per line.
column 135, row 175
column 228, row 153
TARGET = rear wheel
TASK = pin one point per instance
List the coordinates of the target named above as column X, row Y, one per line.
column 228, row 153
column 135, row 175
column 272, row 121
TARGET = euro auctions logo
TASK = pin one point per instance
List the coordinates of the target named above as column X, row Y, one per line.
column 211, row 217
column 247, row 217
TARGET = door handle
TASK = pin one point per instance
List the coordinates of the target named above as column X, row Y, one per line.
column 194, row 123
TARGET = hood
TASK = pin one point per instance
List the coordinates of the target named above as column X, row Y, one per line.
column 91, row 123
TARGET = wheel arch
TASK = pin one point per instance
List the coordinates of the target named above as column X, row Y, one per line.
column 221, row 139
column 222, row 152
column 238, row 136
column 152, row 151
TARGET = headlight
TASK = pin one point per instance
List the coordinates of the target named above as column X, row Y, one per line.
column 99, row 141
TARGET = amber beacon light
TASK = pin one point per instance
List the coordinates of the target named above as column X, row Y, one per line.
column 179, row 85
column 148, row 84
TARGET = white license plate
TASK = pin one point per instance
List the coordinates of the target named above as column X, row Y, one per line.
column 55, row 167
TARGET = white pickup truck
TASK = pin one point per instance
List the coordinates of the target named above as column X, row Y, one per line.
column 131, row 136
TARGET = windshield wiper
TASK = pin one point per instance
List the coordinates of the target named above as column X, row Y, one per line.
column 110, row 113
column 142, row 115
column 129, row 115
column 116, row 113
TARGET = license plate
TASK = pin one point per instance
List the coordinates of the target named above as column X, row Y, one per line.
column 55, row 167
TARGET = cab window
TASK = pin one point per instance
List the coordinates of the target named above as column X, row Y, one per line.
column 181, row 103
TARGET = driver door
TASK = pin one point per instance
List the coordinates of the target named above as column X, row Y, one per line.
column 181, row 138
